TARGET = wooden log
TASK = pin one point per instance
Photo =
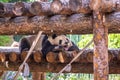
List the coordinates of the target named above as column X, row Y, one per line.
column 61, row 57
column 67, row 7
column 78, row 67
column 23, row 56
column 21, row 9
column 37, row 56
column 70, row 6
column 13, row 57
column 25, row 9
column 59, row 24
column 6, row 9
column 83, row 6
column 2, row 57
column 38, row 76
column 49, row 67
column 86, row 57
column 90, row 55
column 51, row 57
column 100, row 31
column 118, row 56
column 105, row 5
column 40, row 8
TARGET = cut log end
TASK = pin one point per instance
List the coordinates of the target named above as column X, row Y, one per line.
column 2, row 9
column 61, row 57
column 110, row 56
column 89, row 57
column 36, row 8
column 51, row 57
column 74, row 5
column 23, row 56
column 118, row 57
column 37, row 56
column 2, row 57
column 13, row 57
column 18, row 8
column 56, row 6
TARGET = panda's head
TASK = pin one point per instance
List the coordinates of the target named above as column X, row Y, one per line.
column 60, row 40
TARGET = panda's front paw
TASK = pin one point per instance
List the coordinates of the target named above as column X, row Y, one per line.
column 56, row 47
column 26, row 49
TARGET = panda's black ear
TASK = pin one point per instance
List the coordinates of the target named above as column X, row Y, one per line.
column 54, row 36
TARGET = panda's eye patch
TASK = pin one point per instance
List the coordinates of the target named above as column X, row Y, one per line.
column 60, row 42
column 67, row 39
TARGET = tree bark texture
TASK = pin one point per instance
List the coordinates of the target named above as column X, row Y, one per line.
column 38, row 76
column 59, row 24
column 49, row 67
column 84, row 64
column 100, row 31
column 13, row 55
column 66, row 7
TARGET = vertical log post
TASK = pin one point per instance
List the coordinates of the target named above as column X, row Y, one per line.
column 38, row 75
column 100, row 48
column 101, row 68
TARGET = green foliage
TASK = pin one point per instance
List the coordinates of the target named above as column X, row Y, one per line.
column 84, row 40
column 74, row 38
column 4, row 40
column 4, row 1
column 113, row 41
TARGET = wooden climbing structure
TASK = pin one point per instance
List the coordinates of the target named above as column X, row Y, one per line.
column 99, row 17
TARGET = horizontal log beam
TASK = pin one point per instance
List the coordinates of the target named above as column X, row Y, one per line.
column 67, row 7
column 59, row 24
column 82, row 65
column 49, row 67
column 13, row 55
column 24, row 9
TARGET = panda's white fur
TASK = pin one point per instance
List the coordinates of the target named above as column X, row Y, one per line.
column 65, row 42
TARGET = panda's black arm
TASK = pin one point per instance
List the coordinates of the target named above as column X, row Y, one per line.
column 47, row 47
column 24, row 45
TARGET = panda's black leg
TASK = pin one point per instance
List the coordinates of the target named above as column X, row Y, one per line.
column 74, row 48
column 24, row 45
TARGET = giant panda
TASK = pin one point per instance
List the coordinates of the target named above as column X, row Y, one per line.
column 26, row 42
column 48, row 43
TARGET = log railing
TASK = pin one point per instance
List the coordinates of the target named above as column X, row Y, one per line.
column 85, row 61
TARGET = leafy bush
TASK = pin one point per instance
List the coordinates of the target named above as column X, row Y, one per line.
column 4, row 40
column 113, row 41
